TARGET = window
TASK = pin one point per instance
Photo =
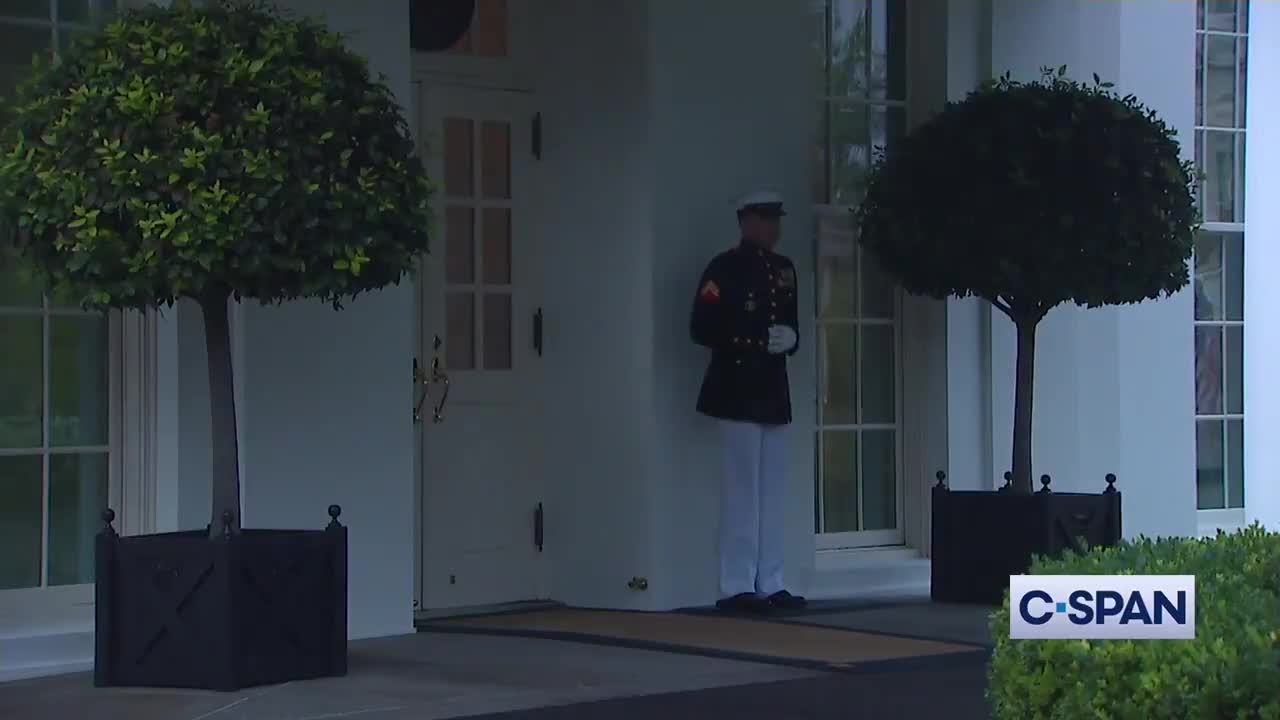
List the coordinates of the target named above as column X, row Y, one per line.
column 56, row 395
column 861, row 57
column 1218, row 282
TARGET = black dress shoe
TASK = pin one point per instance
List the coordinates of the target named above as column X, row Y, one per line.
column 784, row 600
column 744, row 603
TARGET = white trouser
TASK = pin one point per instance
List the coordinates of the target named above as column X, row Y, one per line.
column 752, row 500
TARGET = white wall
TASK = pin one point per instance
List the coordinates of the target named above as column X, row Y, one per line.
column 733, row 108
column 325, row 393
column 1262, row 257
column 1113, row 385
column 595, row 229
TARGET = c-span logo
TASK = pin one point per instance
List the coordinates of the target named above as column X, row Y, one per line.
column 1102, row 607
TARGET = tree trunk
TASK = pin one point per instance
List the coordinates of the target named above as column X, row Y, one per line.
column 222, row 405
column 1024, row 384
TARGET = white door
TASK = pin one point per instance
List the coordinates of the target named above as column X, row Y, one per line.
column 480, row 482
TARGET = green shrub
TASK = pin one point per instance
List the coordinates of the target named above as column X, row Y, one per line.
column 1231, row 669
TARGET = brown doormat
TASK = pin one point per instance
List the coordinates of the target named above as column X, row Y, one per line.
column 727, row 636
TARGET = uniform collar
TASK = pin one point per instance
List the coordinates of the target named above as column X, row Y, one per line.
column 747, row 247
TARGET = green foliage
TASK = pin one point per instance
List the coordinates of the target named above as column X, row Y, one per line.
column 212, row 151
column 1035, row 194
column 1230, row 670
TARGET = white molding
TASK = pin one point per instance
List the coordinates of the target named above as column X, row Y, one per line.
column 1209, row 522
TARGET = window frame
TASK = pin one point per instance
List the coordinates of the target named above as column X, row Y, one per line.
column 822, row 207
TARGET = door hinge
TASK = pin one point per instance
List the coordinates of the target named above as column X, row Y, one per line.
column 535, row 145
column 537, row 527
column 537, row 332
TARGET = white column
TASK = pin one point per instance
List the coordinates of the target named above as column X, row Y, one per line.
column 1261, row 260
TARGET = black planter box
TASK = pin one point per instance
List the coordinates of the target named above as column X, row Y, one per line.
column 980, row 538
column 184, row 610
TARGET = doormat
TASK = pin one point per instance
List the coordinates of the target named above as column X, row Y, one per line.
column 827, row 648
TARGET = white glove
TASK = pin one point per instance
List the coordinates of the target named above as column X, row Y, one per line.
column 781, row 339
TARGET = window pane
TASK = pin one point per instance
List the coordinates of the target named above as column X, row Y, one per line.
column 879, row 480
column 1200, row 43
column 888, row 69
column 1233, row 275
column 837, row 266
column 497, row 331
column 495, row 158
column 460, row 331
column 1220, row 15
column 1234, row 369
column 489, row 30
column 1208, row 370
column 837, row 386
column 460, row 248
column 878, row 374
column 21, row 382
column 77, row 497
column 850, row 48
column 459, row 164
column 819, row 179
column 1220, row 79
column 1242, row 67
column 818, row 44
column 1235, row 463
column 840, row 481
column 877, row 290
column 497, row 246
column 84, row 11
column 1209, row 471
column 1208, row 277
column 78, row 381
column 1220, row 169
column 18, row 45
column 20, row 521
column 858, row 134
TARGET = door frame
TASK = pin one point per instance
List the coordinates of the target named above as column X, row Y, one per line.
column 422, row 84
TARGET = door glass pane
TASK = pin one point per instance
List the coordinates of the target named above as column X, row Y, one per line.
column 837, row 267
column 497, row 246
column 460, row 331
column 77, row 497
column 878, row 374
column 850, row 154
column 459, row 163
column 20, row 521
column 497, row 331
column 78, row 381
column 1242, row 68
column 84, row 11
column 489, row 36
column 1220, row 79
column 877, row 290
column 1208, row 276
column 879, row 480
column 495, row 158
column 1209, row 471
column 1208, row 359
column 21, row 381
column 1234, row 369
column 460, row 249
column 1235, row 463
column 838, row 388
column 840, row 481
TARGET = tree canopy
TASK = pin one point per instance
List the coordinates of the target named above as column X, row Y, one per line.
column 1035, row 194
column 224, row 150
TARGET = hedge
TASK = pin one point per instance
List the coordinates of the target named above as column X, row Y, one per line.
column 1231, row 670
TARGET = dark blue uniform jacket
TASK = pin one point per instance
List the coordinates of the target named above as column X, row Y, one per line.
column 742, row 292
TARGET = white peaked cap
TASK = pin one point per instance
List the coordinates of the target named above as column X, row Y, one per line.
column 758, row 197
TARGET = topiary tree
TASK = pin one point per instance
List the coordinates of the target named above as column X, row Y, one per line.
column 1031, row 195
column 218, row 152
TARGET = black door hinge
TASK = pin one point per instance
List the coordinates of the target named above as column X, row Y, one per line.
column 535, row 144
column 537, row 332
column 537, row 527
